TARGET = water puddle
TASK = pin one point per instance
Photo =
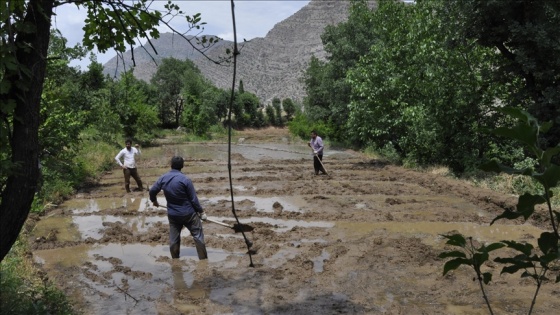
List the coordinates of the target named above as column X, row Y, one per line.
column 261, row 204
column 131, row 255
column 89, row 226
column 55, row 226
column 82, row 206
column 128, row 278
column 280, row 258
column 142, row 204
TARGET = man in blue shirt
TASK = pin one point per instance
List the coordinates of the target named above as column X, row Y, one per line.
column 183, row 208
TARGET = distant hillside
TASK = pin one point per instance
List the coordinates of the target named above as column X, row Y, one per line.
column 269, row 67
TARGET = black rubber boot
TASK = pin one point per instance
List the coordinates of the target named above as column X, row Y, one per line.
column 201, row 251
column 175, row 249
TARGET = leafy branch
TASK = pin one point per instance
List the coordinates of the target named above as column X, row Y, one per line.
column 534, row 263
column 470, row 256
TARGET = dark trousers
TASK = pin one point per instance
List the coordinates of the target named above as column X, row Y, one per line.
column 193, row 223
column 128, row 172
column 317, row 158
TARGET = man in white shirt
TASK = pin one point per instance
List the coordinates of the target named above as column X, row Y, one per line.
column 129, row 164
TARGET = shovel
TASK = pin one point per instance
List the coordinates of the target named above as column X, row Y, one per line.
column 238, row 228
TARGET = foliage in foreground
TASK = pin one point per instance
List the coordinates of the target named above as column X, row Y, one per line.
column 541, row 263
column 25, row 290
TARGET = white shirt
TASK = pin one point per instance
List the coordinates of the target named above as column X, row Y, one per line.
column 129, row 160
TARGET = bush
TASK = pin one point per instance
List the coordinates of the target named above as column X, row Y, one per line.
column 389, row 152
column 24, row 290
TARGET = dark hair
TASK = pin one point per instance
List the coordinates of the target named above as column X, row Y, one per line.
column 313, row 131
column 177, row 163
column 128, row 141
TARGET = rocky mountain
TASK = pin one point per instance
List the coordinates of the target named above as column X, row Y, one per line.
column 269, row 67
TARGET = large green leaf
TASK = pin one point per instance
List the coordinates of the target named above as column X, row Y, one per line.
column 550, row 177
column 479, row 258
column 545, row 260
column 548, row 154
column 507, row 214
column 524, row 248
column 522, row 133
column 456, row 240
column 492, row 247
column 486, row 277
column 548, row 242
column 454, row 264
column 527, row 202
column 518, row 113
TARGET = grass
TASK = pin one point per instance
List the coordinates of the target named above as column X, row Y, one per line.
column 25, row 288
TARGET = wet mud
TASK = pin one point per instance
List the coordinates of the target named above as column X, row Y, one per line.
column 363, row 240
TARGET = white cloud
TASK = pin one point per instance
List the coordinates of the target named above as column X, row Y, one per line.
column 254, row 18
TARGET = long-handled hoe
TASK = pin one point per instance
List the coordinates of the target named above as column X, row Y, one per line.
column 322, row 165
column 238, row 228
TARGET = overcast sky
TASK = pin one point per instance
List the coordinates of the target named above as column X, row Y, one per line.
column 254, row 18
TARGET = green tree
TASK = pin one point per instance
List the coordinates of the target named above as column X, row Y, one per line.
column 328, row 93
column 241, row 89
column 421, row 91
column 277, row 106
column 526, row 35
column 129, row 100
column 61, row 119
column 278, row 110
column 25, row 33
column 270, row 115
column 169, row 80
column 222, row 104
column 93, row 78
column 289, row 108
column 249, row 103
column 316, row 102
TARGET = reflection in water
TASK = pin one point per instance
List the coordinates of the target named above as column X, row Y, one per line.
column 187, row 291
column 84, row 206
column 140, row 270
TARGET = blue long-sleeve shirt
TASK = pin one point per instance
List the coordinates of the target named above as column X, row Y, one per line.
column 179, row 192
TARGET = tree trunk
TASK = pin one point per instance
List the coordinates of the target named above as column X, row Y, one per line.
column 21, row 184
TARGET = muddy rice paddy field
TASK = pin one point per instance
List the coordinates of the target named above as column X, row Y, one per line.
column 363, row 240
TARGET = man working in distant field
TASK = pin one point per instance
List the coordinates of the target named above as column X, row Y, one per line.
column 316, row 143
column 183, row 208
column 129, row 164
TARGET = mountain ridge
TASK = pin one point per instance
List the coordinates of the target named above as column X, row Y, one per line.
column 270, row 66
